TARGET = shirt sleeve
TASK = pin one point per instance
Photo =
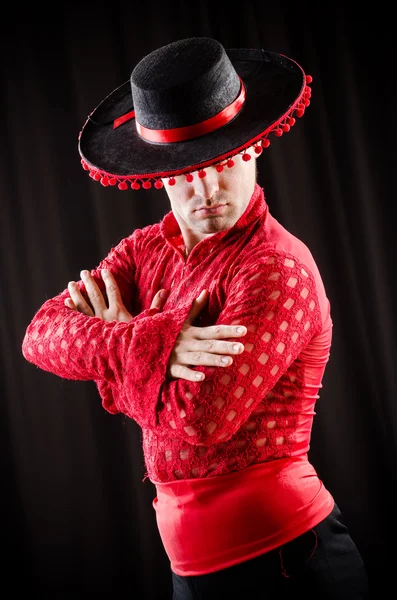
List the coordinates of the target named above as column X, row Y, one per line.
column 276, row 299
column 74, row 346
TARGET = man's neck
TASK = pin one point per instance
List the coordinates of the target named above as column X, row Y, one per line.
column 191, row 240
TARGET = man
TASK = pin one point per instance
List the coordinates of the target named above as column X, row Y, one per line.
column 211, row 329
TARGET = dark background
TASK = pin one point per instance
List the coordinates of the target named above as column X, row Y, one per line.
column 77, row 517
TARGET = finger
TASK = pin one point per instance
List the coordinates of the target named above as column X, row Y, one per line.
column 112, row 289
column 181, row 372
column 69, row 303
column 197, row 306
column 204, row 359
column 78, row 299
column 213, row 332
column 159, row 299
column 94, row 293
column 215, row 347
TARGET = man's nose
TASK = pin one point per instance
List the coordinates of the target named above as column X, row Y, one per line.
column 206, row 186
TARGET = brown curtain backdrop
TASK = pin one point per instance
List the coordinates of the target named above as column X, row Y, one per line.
column 77, row 515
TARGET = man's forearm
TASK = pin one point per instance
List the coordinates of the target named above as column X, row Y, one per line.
column 131, row 357
column 72, row 345
column 68, row 343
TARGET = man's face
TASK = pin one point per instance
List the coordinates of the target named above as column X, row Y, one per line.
column 215, row 202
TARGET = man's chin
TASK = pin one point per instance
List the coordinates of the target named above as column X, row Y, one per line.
column 213, row 224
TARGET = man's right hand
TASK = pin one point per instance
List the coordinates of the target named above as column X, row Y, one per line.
column 204, row 346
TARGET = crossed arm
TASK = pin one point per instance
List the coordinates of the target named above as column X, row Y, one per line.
column 194, row 345
column 275, row 301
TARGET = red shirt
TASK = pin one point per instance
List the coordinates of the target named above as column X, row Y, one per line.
column 258, row 409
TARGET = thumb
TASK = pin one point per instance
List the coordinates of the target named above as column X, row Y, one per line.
column 159, row 299
column 197, row 306
column 69, row 304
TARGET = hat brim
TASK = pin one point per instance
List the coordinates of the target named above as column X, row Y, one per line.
column 274, row 85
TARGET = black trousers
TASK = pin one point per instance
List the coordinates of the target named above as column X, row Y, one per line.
column 322, row 564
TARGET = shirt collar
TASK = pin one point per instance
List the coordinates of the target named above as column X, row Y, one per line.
column 257, row 206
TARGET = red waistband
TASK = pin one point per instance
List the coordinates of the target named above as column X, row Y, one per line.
column 212, row 523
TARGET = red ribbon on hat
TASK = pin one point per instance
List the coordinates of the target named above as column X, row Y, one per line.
column 181, row 134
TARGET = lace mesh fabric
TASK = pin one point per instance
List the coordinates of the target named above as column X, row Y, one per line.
column 259, row 408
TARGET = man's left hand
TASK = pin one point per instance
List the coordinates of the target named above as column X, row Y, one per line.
column 116, row 311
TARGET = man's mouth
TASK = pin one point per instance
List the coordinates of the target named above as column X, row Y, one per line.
column 210, row 210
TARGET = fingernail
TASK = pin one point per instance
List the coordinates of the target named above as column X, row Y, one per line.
column 163, row 293
column 84, row 274
column 240, row 329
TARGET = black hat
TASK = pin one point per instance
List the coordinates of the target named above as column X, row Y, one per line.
column 189, row 105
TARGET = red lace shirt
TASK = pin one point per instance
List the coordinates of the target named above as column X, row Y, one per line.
column 239, row 419
column 259, row 408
